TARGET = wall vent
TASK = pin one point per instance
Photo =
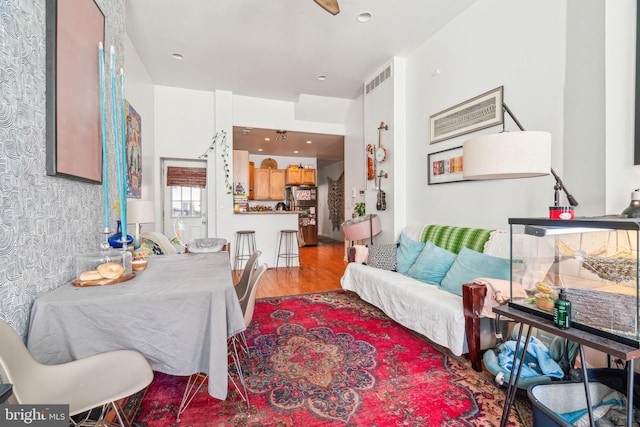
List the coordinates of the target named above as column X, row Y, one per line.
column 377, row 80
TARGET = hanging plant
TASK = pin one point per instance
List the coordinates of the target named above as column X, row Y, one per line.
column 220, row 138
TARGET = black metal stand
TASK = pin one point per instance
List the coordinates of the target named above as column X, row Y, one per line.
column 614, row 348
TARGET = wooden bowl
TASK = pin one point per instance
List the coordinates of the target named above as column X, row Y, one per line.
column 139, row 264
column 544, row 302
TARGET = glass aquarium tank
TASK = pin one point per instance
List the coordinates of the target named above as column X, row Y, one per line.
column 595, row 262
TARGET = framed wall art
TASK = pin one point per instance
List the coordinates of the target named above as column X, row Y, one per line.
column 134, row 151
column 445, row 166
column 477, row 113
column 74, row 29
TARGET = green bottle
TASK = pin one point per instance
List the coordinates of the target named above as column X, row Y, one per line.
column 562, row 311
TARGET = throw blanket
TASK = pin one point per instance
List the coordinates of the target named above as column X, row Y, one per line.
column 498, row 291
column 454, row 238
column 536, row 362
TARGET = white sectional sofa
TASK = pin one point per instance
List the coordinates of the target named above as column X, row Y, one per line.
column 434, row 310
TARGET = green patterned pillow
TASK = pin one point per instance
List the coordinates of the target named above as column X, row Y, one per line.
column 454, row 238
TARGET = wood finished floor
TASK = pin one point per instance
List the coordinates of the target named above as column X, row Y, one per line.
column 321, row 269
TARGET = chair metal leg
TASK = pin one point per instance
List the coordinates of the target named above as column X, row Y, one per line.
column 193, row 385
column 234, row 343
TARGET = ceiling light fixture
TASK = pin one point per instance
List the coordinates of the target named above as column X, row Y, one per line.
column 322, row 77
column 309, row 142
column 364, row 17
column 281, row 134
column 177, row 56
column 267, row 139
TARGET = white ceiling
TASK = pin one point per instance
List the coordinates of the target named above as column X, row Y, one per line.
column 275, row 49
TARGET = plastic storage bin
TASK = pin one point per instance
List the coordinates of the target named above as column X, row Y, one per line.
column 550, row 400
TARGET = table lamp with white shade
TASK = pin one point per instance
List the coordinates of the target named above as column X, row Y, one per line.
column 140, row 212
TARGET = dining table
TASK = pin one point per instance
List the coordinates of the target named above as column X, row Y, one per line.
column 178, row 313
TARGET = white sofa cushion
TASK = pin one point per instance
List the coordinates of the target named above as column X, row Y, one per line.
column 426, row 309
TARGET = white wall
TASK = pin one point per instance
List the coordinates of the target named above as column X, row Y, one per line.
column 355, row 179
column 379, row 107
column 139, row 91
column 621, row 175
column 491, row 43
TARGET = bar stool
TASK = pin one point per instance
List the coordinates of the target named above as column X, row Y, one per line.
column 245, row 246
column 290, row 238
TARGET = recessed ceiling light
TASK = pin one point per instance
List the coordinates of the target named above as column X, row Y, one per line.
column 259, row 149
column 364, row 17
column 267, row 139
column 322, row 77
column 308, row 142
column 177, row 56
column 296, row 152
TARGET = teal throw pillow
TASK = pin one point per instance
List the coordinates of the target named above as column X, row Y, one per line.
column 408, row 251
column 432, row 264
column 471, row 265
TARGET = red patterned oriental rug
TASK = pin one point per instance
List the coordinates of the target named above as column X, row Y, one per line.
column 331, row 359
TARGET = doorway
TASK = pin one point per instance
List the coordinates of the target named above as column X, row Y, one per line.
column 184, row 200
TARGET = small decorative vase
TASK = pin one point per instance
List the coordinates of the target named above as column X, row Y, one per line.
column 114, row 239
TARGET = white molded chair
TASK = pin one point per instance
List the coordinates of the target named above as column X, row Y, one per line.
column 206, row 244
column 159, row 243
column 196, row 381
column 84, row 384
column 243, row 284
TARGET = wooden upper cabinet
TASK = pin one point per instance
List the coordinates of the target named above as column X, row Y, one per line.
column 296, row 176
column 268, row 184
column 277, row 184
column 308, row 176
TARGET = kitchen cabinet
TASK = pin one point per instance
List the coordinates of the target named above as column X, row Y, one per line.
column 268, row 184
column 297, row 176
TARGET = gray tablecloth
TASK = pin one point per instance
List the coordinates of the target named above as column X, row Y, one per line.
column 178, row 313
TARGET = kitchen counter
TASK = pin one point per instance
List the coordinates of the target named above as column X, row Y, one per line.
column 266, row 212
column 267, row 225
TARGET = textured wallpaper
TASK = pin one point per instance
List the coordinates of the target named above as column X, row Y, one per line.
column 44, row 221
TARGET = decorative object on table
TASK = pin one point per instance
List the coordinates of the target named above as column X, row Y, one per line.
column 361, row 228
column 140, row 212
column 139, row 264
column 178, row 229
column 116, row 241
column 509, row 155
column 480, row 112
column 73, row 122
column 633, row 210
column 381, row 152
column 445, row 166
column 335, row 201
column 133, row 151
column 220, row 138
column 103, row 268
